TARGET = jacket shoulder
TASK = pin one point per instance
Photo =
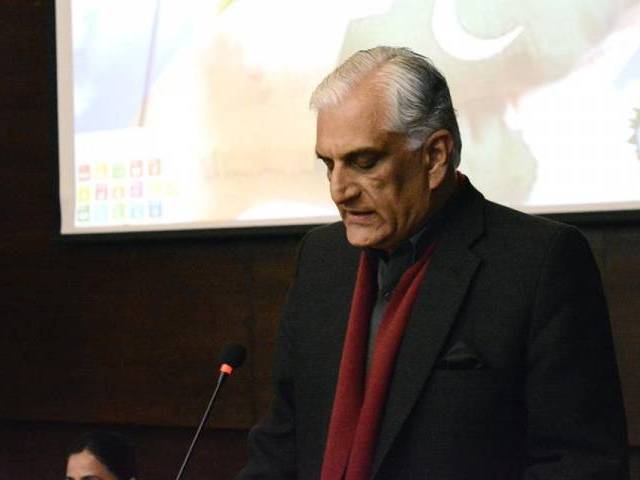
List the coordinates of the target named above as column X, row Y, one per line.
column 327, row 241
column 519, row 224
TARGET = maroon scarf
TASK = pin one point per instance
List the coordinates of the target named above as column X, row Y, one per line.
column 360, row 398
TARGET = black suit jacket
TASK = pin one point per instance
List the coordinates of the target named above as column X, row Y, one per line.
column 506, row 369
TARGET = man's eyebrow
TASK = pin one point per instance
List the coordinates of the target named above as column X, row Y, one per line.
column 90, row 477
column 356, row 153
column 364, row 151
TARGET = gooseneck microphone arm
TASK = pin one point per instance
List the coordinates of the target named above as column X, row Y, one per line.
column 232, row 357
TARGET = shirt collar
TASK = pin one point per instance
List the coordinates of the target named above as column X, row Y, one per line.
column 428, row 233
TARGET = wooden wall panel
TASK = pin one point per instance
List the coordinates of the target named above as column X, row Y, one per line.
column 140, row 326
column 621, row 274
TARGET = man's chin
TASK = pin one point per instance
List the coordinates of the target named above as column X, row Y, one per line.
column 363, row 238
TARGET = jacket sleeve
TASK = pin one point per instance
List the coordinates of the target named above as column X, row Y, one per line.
column 576, row 424
column 272, row 442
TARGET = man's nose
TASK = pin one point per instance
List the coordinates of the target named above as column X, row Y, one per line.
column 343, row 185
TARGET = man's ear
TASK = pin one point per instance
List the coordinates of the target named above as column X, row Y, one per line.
column 438, row 153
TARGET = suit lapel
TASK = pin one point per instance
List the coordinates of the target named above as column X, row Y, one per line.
column 434, row 312
column 335, row 330
column 334, row 320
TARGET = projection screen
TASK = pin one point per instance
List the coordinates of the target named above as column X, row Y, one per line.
column 194, row 114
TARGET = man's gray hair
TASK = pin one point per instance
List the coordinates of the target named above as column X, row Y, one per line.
column 417, row 93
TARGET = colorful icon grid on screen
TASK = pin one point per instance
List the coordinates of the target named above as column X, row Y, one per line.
column 119, row 192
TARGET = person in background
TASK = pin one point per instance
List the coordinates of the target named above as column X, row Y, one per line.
column 101, row 455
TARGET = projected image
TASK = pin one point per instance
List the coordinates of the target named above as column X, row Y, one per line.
column 194, row 114
column 546, row 93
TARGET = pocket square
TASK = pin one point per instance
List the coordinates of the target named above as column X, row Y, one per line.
column 460, row 357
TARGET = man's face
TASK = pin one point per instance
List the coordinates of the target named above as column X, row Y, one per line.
column 381, row 188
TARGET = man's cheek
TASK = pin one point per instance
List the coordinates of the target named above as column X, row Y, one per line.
column 378, row 185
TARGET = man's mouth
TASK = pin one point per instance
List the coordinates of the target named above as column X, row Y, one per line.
column 358, row 216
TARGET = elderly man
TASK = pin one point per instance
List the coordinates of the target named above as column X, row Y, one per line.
column 433, row 334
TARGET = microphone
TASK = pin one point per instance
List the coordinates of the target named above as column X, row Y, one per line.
column 233, row 356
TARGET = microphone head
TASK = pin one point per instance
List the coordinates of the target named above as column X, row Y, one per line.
column 233, row 355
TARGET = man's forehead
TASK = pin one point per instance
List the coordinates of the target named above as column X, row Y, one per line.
column 357, row 122
column 338, row 142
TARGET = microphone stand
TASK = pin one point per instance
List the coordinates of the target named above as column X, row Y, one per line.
column 223, row 376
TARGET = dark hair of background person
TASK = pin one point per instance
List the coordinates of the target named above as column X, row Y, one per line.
column 114, row 451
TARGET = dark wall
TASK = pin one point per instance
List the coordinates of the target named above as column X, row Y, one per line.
column 125, row 333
